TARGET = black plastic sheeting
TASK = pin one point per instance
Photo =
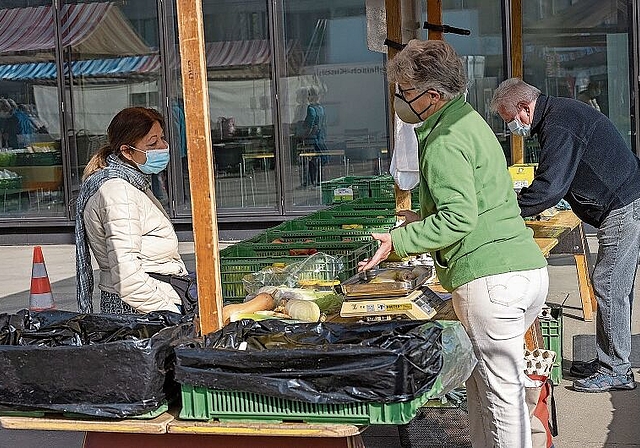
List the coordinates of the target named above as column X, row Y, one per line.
column 382, row 362
column 100, row 365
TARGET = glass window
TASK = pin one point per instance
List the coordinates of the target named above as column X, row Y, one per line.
column 111, row 61
column 482, row 53
column 239, row 64
column 333, row 96
column 31, row 175
column 580, row 49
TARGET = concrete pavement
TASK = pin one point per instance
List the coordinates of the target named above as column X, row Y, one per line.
column 585, row 420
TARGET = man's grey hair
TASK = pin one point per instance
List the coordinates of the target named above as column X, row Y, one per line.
column 429, row 65
column 511, row 93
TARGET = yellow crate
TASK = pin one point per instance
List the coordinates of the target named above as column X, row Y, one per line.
column 522, row 174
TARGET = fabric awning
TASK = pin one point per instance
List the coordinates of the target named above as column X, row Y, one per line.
column 28, row 34
column 220, row 56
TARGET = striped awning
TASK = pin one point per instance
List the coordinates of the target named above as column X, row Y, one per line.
column 28, row 34
column 96, row 67
column 220, row 56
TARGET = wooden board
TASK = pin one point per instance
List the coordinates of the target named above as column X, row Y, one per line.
column 546, row 244
column 200, row 159
column 564, row 218
column 263, row 429
column 156, row 425
column 547, row 231
column 587, row 296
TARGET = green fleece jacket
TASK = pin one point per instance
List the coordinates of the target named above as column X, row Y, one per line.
column 471, row 221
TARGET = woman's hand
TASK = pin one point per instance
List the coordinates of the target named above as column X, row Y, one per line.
column 409, row 217
column 381, row 254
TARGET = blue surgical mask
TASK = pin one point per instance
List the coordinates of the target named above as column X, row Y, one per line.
column 517, row 128
column 157, row 160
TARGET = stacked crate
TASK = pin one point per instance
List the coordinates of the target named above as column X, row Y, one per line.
column 343, row 230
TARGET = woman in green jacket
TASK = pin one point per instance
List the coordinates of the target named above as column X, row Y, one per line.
column 470, row 223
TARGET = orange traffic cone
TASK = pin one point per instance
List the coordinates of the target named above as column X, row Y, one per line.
column 40, row 297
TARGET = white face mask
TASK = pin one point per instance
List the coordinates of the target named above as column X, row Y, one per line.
column 517, row 128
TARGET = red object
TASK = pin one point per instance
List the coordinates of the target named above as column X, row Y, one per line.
column 40, row 296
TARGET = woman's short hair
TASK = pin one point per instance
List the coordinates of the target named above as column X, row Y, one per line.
column 429, row 65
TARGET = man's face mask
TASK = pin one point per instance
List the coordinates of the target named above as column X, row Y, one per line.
column 517, row 128
column 404, row 109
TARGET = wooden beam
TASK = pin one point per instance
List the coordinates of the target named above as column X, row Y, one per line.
column 434, row 16
column 198, row 128
column 393, row 10
column 517, row 70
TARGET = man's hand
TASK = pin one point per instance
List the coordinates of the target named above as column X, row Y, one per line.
column 409, row 217
column 381, row 254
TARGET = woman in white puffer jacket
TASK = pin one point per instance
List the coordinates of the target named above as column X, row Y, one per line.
column 125, row 226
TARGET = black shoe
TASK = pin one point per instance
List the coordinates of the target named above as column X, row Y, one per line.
column 584, row 369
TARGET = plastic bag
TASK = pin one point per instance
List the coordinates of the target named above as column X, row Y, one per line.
column 380, row 362
column 404, row 162
column 319, row 266
column 458, row 357
column 102, row 365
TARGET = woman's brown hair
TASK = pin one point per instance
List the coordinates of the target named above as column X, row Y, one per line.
column 126, row 128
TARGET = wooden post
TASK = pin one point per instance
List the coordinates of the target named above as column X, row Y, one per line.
column 198, row 128
column 517, row 70
column 434, row 16
column 393, row 11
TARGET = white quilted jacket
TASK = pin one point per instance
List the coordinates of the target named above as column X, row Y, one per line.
column 130, row 234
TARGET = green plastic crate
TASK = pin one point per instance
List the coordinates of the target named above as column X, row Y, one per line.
column 358, row 186
column 318, row 226
column 552, row 338
column 351, row 223
column 366, row 204
column 383, row 187
column 200, row 403
column 363, row 213
column 241, row 259
column 343, row 248
column 294, row 236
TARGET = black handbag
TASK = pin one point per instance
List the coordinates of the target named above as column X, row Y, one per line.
column 186, row 286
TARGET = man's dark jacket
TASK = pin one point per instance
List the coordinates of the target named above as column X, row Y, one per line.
column 583, row 159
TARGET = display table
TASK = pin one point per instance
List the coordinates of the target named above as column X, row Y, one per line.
column 567, row 229
column 166, row 431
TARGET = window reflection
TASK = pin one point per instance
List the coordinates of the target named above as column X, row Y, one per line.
column 580, row 49
column 340, row 80
column 30, row 146
column 482, row 54
column 239, row 63
column 113, row 65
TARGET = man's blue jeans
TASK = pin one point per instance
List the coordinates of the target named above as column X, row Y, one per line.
column 613, row 278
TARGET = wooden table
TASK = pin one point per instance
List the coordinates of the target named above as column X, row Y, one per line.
column 546, row 245
column 167, row 431
column 566, row 228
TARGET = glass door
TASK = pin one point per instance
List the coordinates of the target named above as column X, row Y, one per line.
column 111, row 61
column 333, row 99
column 580, row 49
column 31, row 173
column 239, row 63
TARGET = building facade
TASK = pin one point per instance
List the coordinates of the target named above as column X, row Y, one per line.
column 67, row 67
